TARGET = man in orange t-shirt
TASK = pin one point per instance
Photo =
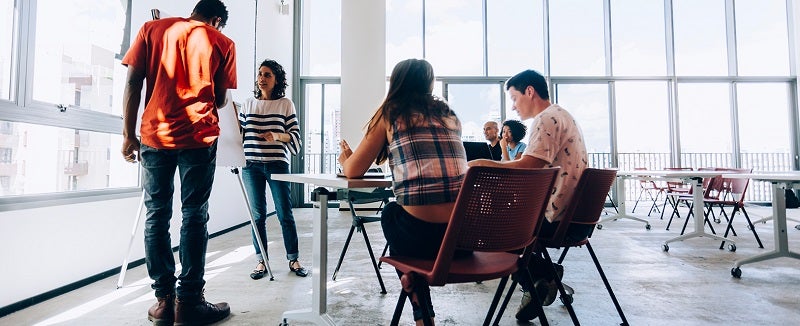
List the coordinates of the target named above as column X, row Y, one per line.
column 188, row 65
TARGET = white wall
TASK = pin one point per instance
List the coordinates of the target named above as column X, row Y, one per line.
column 50, row 247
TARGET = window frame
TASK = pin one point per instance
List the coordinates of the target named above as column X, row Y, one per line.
column 21, row 108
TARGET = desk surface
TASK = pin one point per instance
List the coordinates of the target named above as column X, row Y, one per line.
column 331, row 180
column 785, row 176
column 672, row 173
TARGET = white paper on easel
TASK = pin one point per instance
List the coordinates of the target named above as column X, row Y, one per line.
column 230, row 151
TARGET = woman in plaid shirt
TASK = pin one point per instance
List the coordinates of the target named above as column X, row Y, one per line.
column 421, row 137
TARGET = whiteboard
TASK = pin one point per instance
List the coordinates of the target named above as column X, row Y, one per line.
column 230, row 152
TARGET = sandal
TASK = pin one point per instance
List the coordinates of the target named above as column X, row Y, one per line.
column 299, row 271
column 259, row 273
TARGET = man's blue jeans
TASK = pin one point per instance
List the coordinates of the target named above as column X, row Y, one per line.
column 255, row 176
column 196, row 170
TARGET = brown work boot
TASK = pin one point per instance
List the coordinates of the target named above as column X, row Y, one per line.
column 163, row 312
column 200, row 312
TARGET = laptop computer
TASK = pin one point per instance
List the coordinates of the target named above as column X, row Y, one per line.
column 477, row 150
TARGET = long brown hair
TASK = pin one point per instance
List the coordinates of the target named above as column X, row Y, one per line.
column 410, row 93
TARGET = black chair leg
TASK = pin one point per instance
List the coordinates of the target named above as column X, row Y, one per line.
column 608, row 286
column 385, row 248
column 563, row 255
column 495, row 301
column 398, row 310
column 675, row 203
column 344, row 251
column 691, row 214
column 752, row 228
column 372, row 259
column 561, row 289
column 636, row 203
column 505, row 302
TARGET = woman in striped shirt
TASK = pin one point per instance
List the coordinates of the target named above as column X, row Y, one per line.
column 270, row 132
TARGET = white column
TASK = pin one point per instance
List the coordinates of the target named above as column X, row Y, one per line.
column 363, row 64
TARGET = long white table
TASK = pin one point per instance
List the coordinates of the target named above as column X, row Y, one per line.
column 695, row 179
column 318, row 313
column 779, row 181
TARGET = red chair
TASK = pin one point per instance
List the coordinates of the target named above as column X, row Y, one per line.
column 498, row 210
column 674, row 190
column 649, row 188
column 585, row 209
column 737, row 189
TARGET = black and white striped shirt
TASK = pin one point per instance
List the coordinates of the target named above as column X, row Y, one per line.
column 259, row 116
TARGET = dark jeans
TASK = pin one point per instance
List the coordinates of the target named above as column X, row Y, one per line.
column 196, row 171
column 411, row 237
column 256, row 176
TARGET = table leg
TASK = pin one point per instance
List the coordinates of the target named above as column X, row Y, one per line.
column 622, row 213
column 779, row 229
column 319, row 306
column 699, row 219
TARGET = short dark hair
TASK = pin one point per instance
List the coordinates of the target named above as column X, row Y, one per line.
column 212, row 8
column 279, row 91
column 522, row 80
column 517, row 129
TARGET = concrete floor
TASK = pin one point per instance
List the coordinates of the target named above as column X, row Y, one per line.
column 689, row 285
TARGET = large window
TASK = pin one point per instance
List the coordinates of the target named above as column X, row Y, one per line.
column 705, row 125
column 576, row 38
column 451, row 43
column 762, row 37
column 475, row 104
column 653, row 83
column 61, row 131
column 700, row 38
column 322, row 38
column 404, row 29
column 638, row 44
column 74, row 63
column 642, row 124
column 510, row 52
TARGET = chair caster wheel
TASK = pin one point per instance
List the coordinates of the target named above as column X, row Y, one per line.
column 736, row 272
column 732, row 247
column 600, row 227
column 665, row 247
column 647, row 226
column 797, row 226
column 284, row 323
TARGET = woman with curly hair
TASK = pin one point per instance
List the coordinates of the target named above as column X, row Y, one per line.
column 513, row 132
column 270, row 132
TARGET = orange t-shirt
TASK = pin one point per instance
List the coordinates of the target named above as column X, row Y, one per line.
column 182, row 60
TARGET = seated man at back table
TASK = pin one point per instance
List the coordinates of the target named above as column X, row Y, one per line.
column 492, row 133
column 555, row 140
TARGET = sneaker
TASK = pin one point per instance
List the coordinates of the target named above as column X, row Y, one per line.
column 528, row 310
column 163, row 311
column 200, row 312
column 547, row 291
